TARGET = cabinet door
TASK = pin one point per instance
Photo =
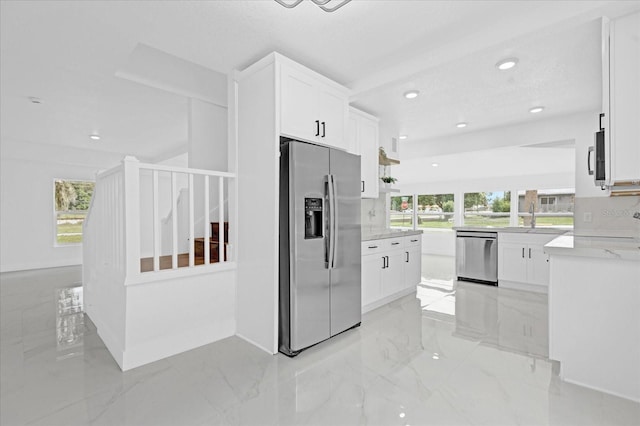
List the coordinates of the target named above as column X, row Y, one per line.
column 412, row 267
column 537, row 266
column 368, row 137
column 393, row 274
column 297, row 105
column 512, row 262
column 372, row 267
column 332, row 113
column 625, row 98
column 352, row 135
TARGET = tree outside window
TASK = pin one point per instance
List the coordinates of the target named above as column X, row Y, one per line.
column 71, row 202
column 435, row 211
column 487, row 208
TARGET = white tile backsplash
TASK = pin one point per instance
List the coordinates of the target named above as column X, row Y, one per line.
column 374, row 213
column 607, row 216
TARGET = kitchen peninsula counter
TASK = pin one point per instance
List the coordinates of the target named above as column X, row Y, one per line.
column 594, row 312
column 600, row 247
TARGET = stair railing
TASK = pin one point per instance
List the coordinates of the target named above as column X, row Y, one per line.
column 113, row 226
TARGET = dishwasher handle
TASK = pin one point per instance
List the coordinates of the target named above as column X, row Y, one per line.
column 475, row 234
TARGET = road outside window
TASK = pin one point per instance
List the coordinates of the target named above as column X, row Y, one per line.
column 401, row 214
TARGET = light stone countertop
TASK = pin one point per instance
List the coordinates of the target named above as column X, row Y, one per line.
column 601, row 247
column 380, row 234
column 514, row 229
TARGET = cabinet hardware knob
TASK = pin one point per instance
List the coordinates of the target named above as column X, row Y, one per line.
column 317, row 127
column 323, row 130
column 394, row 244
column 372, row 247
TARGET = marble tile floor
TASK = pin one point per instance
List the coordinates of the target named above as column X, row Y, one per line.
column 457, row 354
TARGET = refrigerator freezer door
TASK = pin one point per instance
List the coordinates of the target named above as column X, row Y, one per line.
column 309, row 297
column 346, row 302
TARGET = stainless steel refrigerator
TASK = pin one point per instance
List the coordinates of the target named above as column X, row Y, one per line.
column 319, row 244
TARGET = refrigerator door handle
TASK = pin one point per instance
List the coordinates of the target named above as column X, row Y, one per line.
column 332, row 205
column 336, row 225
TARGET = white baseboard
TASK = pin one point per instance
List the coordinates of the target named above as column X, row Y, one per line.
column 635, row 398
column 523, row 286
column 169, row 345
column 257, row 345
column 385, row 300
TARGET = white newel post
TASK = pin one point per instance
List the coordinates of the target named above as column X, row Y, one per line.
column 131, row 183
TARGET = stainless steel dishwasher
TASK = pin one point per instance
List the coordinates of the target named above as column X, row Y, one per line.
column 477, row 256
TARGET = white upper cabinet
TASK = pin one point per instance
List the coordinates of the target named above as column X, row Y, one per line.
column 621, row 102
column 312, row 108
column 363, row 141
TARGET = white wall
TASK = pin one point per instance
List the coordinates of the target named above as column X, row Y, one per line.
column 27, row 222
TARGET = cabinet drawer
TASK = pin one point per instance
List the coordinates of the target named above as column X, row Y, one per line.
column 413, row 241
column 384, row 244
column 392, row 243
column 372, row 247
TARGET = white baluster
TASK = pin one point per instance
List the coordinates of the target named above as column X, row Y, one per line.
column 207, row 225
column 174, row 221
column 221, row 245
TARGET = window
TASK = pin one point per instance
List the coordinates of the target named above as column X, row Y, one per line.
column 435, row 211
column 401, row 214
column 71, row 202
column 487, row 208
column 553, row 207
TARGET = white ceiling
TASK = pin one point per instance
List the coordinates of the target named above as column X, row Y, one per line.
column 68, row 52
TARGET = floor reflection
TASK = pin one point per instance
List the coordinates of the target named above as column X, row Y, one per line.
column 505, row 318
column 458, row 354
column 69, row 322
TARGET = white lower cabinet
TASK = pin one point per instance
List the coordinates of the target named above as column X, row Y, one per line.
column 391, row 268
column 412, row 260
column 522, row 260
column 372, row 265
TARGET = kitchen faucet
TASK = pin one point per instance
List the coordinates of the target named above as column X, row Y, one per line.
column 532, row 210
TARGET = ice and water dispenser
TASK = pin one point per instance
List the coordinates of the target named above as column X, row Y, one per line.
column 312, row 218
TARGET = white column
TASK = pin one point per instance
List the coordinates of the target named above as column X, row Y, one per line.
column 132, row 214
column 458, row 208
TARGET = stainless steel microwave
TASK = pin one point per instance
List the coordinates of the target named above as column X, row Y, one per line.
column 600, row 158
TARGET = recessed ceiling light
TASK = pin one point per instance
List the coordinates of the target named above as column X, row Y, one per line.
column 434, row 164
column 506, row 64
column 35, row 100
column 403, row 137
column 461, row 125
column 411, row 94
column 94, row 137
column 536, row 109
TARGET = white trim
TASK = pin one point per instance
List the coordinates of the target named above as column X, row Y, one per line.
column 246, row 339
column 388, row 299
column 599, row 389
column 168, row 274
column 166, row 346
column 16, row 267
